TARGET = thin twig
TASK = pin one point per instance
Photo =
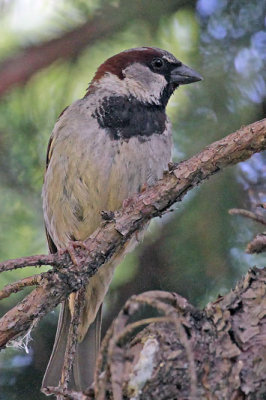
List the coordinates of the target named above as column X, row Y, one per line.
column 248, row 214
column 134, row 325
column 20, row 285
column 31, row 261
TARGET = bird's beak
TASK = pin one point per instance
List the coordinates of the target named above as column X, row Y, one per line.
column 183, row 75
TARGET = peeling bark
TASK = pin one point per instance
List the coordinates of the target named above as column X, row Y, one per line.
column 224, row 346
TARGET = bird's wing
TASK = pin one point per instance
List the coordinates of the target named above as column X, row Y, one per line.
column 51, row 245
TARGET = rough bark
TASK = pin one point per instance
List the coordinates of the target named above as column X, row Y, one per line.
column 216, row 353
column 116, row 231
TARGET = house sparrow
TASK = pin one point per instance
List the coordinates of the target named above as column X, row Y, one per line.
column 103, row 149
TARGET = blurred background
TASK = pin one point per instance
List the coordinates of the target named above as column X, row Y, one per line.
column 49, row 51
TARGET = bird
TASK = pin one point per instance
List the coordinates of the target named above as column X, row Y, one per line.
column 103, row 149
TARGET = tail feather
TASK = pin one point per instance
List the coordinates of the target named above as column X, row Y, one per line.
column 85, row 357
column 53, row 371
column 86, row 354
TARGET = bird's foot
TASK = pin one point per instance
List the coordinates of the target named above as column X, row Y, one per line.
column 71, row 250
column 80, row 244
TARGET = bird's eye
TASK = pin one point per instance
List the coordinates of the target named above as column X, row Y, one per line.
column 158, row 63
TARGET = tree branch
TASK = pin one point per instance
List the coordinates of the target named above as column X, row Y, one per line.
column 217, row 354
column 20, row 285
column 111, row 236
column 18, row 69
column 248, row 214
column 31, row 261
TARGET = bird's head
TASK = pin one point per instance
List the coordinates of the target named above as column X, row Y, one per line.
column 147, row 73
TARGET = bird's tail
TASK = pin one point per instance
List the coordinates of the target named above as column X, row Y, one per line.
column 85, row 356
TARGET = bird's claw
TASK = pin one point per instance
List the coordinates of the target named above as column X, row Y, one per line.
column 71, row 250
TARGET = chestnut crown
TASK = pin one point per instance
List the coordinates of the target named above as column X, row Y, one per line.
column 157, row 60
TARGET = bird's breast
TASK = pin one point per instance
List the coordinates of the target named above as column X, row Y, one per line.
column 89, row 172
